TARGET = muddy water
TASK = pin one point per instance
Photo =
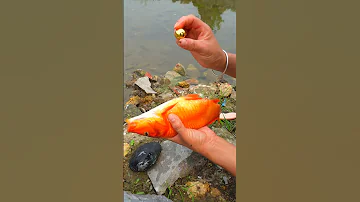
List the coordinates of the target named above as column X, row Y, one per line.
column 149, row 42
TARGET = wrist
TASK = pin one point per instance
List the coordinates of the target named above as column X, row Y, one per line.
column 222, row 153
column 209, row 147
column 220, row 62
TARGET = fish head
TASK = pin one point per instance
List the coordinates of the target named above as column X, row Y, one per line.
column 143, row 126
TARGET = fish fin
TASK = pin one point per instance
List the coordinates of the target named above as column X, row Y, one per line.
column 166, row 125
column 166, row 109
column 213, row 121
column 216, row 101
column 192, row 97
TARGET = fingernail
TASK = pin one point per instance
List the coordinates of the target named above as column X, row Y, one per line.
column 182, row 41
column 171, row 118
column 176, row 24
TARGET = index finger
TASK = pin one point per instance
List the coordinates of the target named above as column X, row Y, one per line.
column 188, row 22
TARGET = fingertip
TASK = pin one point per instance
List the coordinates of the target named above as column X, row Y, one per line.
column 172, row 118
column 176, row 25
column 182, row 42
column 180, row 23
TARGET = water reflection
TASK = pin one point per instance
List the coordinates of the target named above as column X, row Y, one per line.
column 210, row 11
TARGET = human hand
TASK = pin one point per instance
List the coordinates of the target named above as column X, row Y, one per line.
column 205, row 142
column 201, row 42
column 191, row 138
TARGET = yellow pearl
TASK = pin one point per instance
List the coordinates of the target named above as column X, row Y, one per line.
column 180, row 33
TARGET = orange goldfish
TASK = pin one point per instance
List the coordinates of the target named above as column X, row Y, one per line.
column 194, row 111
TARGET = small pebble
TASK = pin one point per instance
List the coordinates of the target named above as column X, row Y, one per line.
column 126, row 148
column 225, row 180
column 183, row 84
column 215, row 192
column 179, row 68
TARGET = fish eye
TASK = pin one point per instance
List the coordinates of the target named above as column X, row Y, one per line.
column 146, row 133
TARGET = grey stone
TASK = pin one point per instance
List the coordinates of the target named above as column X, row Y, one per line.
column 222, row 132
column 171, row 75
column 131, row 111
column 175, row 161
column 179, row 68
column 233, row 94
column 138, row 139
column 129, row 197
column 204, row 91
column 225, row 89
column 192, row 71
column 209, row 75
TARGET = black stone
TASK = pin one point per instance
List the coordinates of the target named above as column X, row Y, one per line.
column 145, row 157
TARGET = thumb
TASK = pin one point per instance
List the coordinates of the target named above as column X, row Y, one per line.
column 177, row 124
column 189, row 44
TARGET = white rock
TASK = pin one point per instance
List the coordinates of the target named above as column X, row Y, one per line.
column 144, row 83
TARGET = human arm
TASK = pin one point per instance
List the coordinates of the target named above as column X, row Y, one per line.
column 203, row 46
column 207, row 143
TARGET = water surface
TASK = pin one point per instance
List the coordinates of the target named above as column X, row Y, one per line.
column 149, row 42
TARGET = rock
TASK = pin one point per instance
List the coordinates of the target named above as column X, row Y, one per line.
column 134, row 100
column 144, row 83
column 145, row 157
column 192, row 71
column 131, row 111
column 179, row 91
column 167, row 96
column 155, row 78
column 126, row 148
column 230, row 105
column 204, row 91
column 147, row 74
column 233, row 94
column 136, row 138
column 129, row 197
column 175, row 161
column 209, row 75
column 183, row 84
column 138, row 92
column 163, row 89
column 171, row 75
column 215, row 192
column 225, row 89
column 197, row 189
column 222, row 132
column 165, row 81
column 192, row 81
column 139, row 73
column 179, row 68
column 147, row 99
column 226, row 181
column 130, row 83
